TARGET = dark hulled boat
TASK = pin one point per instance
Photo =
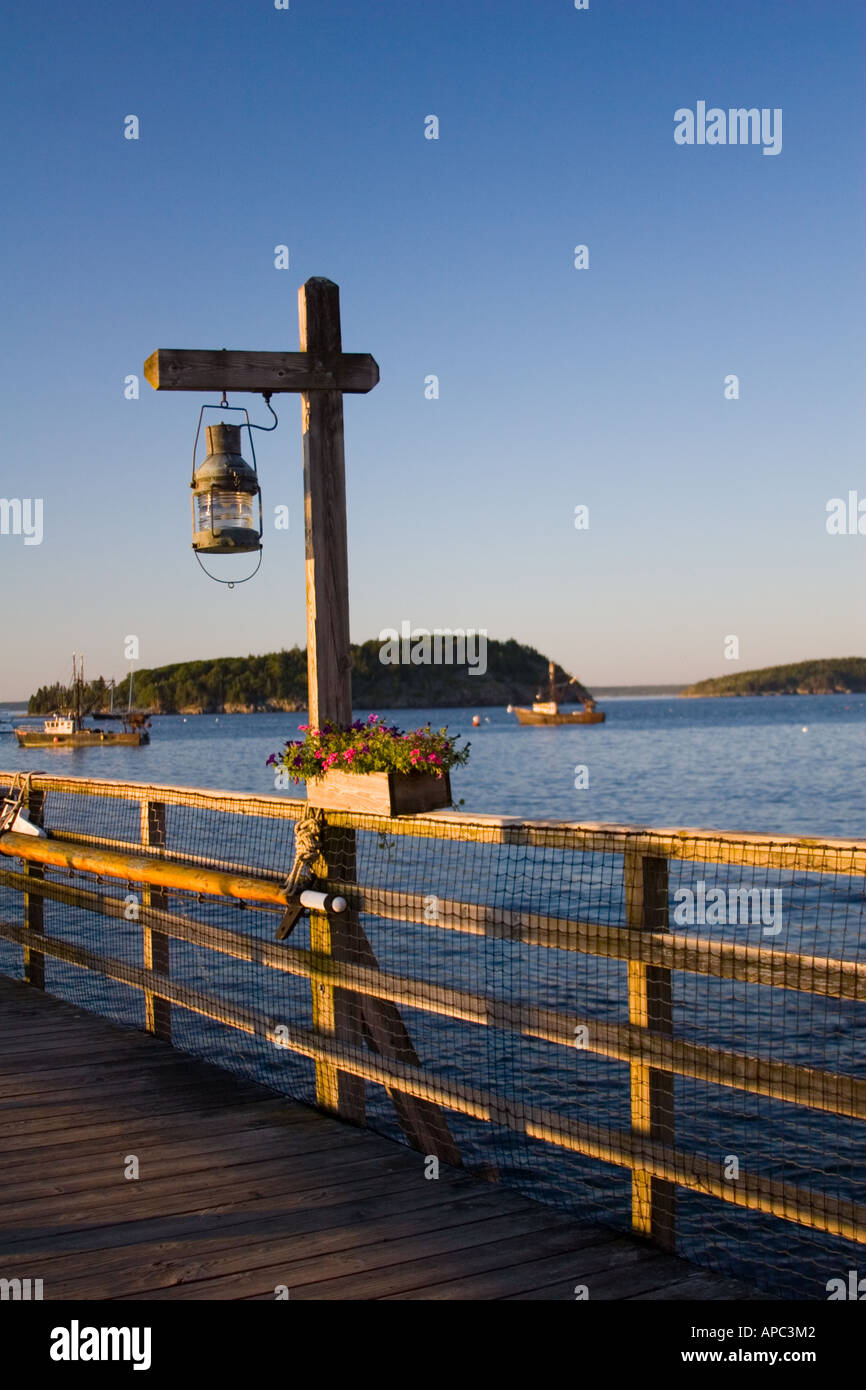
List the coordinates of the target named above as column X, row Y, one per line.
column 68, row 730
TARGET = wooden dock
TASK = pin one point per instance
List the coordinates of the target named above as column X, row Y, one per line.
column 241, row 1193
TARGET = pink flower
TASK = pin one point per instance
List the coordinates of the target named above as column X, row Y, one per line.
column 372, row 718
column 433, row 758
column 331, row 758
column 349, row 754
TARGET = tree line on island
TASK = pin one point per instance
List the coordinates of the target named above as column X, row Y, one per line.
column 515, row 674
column 845, row 675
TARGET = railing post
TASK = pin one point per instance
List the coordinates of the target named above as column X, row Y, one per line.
column 155, row 944
column 650, row 1005
column 34, row 961
column 336, row 1012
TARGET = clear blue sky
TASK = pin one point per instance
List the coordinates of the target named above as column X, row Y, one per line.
column 454, row 257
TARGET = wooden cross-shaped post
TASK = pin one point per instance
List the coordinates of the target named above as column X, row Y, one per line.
column 322, row 373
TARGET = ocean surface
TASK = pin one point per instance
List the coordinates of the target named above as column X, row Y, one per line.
column 781, row 764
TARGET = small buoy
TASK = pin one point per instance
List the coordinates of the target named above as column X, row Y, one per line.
column 476, row 720
column 805, row 728
column 509, row 709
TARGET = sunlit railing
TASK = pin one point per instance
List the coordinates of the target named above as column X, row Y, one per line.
column 358, row 1034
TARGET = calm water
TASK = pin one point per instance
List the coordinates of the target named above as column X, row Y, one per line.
column 792, row 764
column 786, row 765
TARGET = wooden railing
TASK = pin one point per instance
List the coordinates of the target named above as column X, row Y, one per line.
column 358, row 1034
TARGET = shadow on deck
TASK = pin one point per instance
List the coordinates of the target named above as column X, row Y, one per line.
column 241, row 1192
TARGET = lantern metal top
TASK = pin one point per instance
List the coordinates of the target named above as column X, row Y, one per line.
column 224, row 465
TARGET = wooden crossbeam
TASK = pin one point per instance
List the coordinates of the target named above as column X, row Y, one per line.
column 181, row 369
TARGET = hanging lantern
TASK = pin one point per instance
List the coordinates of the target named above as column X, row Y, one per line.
column 226, row 519
column 226, row 497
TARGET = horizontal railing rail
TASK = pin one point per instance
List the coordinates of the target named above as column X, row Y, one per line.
column 646, row 1043
column 792, row 853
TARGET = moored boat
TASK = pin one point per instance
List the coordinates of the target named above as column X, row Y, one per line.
column 68, row 730
column 71, row 733
column 541, row 714
column 549, row 712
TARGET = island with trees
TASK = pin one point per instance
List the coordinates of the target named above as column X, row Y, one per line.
column 514, row 674
column 844, row 675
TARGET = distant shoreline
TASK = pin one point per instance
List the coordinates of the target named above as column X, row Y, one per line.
column 612, row 692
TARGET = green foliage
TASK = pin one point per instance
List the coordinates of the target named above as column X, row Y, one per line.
column 278, row 681
column 48, row 698
column 834, row 675
column 275, row 681
column 369, row 746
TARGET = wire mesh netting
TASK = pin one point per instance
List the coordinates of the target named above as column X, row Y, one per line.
column 519, row 979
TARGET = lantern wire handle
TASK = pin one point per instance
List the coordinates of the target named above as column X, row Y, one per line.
column 230, row 583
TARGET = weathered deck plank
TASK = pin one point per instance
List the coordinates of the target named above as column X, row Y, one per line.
column 241, row 1191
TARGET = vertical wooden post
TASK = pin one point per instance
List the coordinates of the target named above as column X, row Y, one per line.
column 341, row 1013
column 337, row 1013
column 329, row 662
column 329, row 667
column 650, row 1005
column 34, row 961
column 155, row 944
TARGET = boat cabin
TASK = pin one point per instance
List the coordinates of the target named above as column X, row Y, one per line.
column 58, row 725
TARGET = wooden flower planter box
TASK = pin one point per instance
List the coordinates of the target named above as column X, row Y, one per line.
column 380, row 793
